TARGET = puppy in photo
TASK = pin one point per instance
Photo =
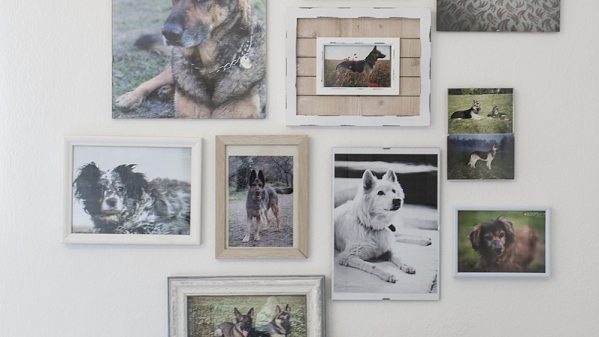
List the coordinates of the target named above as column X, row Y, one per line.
column 501, row 248
column 362, row 231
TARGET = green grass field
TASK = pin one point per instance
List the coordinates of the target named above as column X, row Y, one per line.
column 467, row 219
column 502, row 167
column 483, row 126
column 205, row 313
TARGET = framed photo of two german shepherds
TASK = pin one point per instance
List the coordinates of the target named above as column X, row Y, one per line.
column 179, row 61
column 261, row 197
column 385, row 224
column 245, row 306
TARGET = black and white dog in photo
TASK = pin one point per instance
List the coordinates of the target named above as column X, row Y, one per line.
column 122, row 201
column 363, row 228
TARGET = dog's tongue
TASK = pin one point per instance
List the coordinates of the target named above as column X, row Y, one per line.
column 245, row 333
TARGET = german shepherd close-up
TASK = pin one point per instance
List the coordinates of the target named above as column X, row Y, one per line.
column 260, row 200
column 218, row 61
column 365, row 66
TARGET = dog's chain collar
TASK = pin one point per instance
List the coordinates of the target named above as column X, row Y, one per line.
column 242, row 58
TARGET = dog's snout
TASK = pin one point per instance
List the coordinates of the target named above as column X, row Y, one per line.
column 111, row 202
column 397, row 203
column 497, row 246
column 173, row 30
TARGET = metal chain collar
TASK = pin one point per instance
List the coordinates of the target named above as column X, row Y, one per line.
column 245, row 49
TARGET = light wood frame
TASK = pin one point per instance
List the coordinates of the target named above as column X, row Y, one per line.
column 195, row 147
column 532, row 211
column 312, row 287
column 300, row 191
column 410, row 108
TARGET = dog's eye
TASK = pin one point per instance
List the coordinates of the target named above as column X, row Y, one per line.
column 393, row 191
column 120, row 189
column 381, row 193
column 501, row 235
column 488, row 237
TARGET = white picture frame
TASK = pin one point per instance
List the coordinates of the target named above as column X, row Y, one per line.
column 421, row 117
column 414, row 225
column 463, row 251
column 180, row 289
column 331, row 51
column 176, row 162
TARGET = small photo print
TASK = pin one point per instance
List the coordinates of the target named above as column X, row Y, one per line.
column 244, row 315
column 480, row 111
column 385, row 224
column 357, row 66
column 480, row 157
column 498, row 15
column 501, row 242
column 131, row 190
column 260, row 201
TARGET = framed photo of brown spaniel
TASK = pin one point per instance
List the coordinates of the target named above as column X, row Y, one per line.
column 501, row 242
column 261, row 196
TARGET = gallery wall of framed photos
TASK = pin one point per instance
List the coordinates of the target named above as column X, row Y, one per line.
column 482, row 235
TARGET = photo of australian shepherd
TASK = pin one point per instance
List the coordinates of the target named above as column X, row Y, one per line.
column 364, row 67
column 362, row 225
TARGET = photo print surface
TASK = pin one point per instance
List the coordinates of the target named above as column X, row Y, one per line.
column 498, row 15
column 386, row 224
column 209, row 45
column 260, row 201
column 131, row 190
column 480, row 156
column 501, row 242
column 480, row 111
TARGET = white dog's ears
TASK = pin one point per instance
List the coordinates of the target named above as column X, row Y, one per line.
column 368, row 180
column 390, row 175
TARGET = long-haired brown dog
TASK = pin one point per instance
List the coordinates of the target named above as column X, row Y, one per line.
column 500, row 248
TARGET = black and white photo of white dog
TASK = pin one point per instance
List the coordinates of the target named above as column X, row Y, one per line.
column 385, row 224
column 122, row 201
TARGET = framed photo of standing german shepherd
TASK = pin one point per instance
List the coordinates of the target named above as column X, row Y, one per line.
column 179, row 61
column 313, row 101
column 502, row 242
column 247, row 306
column 357, row 66
column 261, row 196
column 385, row 224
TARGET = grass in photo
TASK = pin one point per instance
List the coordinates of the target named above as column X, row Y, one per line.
column 206, row 314
column 480, row 111
column 480, row 157
column 529, row 230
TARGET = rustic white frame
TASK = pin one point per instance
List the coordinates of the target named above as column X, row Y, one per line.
column 193, row 238
column 424, row 14
column 312, row 287
column 547, row 272
column 323, row 42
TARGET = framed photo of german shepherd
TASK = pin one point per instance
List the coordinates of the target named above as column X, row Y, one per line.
column 247, row 306
column 179, row 61
column 261, row 196
column 502, row 242
column 385, row 224
column 357, row 66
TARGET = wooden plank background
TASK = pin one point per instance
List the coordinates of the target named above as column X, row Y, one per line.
column 408, row 101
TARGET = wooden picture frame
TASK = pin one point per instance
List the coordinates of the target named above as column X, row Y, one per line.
column 529, row 224
column 193, row 300
column 115, row 189
column 267, row 157
column 410, row 108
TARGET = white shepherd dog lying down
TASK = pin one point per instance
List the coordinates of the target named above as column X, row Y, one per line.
column 361, row 225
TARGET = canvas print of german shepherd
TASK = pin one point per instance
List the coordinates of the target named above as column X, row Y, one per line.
column 217, row 63
column 493, row 241
column 465, row 152
column 480, row 111
column 260, row 202
column 385, row 243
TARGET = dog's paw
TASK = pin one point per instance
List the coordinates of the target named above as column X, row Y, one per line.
column 129, row 101
column 426, row 242
column 408, row 269
column 246, row 238
column 256, row 237
column 391, row 278
column 166, row 91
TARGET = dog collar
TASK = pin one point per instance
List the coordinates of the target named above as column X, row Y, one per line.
column 241, row 58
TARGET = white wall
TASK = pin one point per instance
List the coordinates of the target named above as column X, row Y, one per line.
column 55, row 80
